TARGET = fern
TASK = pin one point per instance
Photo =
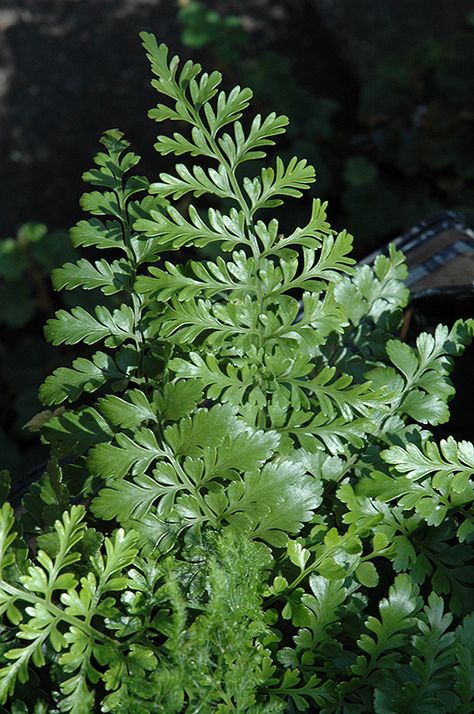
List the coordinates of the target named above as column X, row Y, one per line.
column 270, row 525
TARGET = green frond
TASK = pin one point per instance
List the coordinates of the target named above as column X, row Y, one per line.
column 371, row 292
column 108, row 277
column 98, row 234
column 449, row 458
column 129, row 411
column 197, row 182
column 229, row 383
column 263, row 130
column 425, row 371
column 268, row 190
column 176, row 231
column 68, row 383
column 272, row 503
column 110, row 461
column 80, row 326
column 397, row 622
column 73, row 432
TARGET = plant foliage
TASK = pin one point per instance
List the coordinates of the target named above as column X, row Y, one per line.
column 400, row 132
column 244, row 509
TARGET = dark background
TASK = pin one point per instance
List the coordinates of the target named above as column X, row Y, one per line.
column 379, row 95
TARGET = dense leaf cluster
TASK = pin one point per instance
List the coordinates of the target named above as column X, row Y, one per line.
column 251, row 514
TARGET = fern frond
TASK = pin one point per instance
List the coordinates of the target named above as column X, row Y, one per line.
column 110, row 277
column 68, row 383
column 80, row 326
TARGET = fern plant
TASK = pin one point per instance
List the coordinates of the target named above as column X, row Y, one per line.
column 244, row 509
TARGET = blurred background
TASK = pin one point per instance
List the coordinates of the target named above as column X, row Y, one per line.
column 379, row 95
